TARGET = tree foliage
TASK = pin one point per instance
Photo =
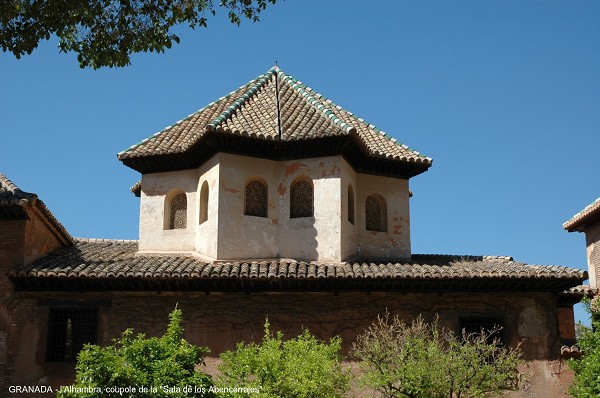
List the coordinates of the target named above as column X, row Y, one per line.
column 107, row 32
column 586, row 383
column 302, row 367
column 425, row 360
column 146, row 364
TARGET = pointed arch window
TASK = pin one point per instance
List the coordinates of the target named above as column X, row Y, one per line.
column 301, row 199
column 203, row 202
column 178, row 212
column 256, row 199
column 375, row 213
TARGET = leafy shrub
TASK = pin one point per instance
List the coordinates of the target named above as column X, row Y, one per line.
column 425, row 360
column 301, row 367
column 586, row 382
column 136, row 366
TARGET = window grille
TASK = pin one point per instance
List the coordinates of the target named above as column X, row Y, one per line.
column 256, row 199
column 375, row 214
column 178, row 216
column 68, row 330
column 301, row 199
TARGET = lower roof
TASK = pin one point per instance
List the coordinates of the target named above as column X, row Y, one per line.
column 113, row 265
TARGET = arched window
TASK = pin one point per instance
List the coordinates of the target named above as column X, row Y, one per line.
column 375, row 213
column 178, row 212
column 204, row 202
column 256, row 199
column 350, row 204
column 301, row 199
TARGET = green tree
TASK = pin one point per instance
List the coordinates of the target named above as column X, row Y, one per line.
column 141, row 367
column 586, row 383
column 302, row 367
column 426, row 360
column 107, row 32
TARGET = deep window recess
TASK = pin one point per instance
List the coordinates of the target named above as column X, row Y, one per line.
column 301, row 199
column 375, row 214
column 68, row 330
column 203, row 202
column 256, row 199
column 178, row 214
column 478, row 325
column 350, row 204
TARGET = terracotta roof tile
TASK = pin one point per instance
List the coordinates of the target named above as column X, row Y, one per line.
column 12, row 196
column 590, row 214
column 274, row 106
column 110, row 259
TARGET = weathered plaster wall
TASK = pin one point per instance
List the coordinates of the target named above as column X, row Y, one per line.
column 317, row 237
column 206, row 242
column 154, row 237
column 592, row 238
column 220, row 320
column 395, row 242
column 242, row 236
column 228, row 234
column 348, row 230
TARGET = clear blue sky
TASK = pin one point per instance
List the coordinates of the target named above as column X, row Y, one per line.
column 503, row 95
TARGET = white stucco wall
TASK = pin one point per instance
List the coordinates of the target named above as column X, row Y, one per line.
column 228, row 234
column 155, row 189
column 395, row 242
column 206, row 239
column 242, row 236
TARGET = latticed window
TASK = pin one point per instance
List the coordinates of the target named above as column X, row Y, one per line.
column 256, row 199
column 375, row 214
column 301, row 199
column 68, row 330
column 178, row 214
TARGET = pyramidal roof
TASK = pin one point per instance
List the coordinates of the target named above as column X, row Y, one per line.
column 284, row 119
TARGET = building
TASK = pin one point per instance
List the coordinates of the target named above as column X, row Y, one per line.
column 271, row 201
column 588, row 222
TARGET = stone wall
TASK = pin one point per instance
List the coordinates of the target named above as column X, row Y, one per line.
column 220, row 320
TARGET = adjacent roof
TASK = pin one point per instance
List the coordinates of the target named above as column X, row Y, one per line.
column 113, row 265
column 580, row 221
column 274, row 116
column 14, row 202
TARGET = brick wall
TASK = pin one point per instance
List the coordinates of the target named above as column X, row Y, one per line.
column 220, row 320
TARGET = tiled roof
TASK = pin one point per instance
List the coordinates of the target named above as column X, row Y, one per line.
column 12, row 197
column 107, row 260
column 590, row 214
column 275, row 107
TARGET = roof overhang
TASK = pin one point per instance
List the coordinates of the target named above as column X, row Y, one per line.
column 215, row 142
column 82, row 284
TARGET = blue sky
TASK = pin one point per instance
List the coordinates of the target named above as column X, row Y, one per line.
column 503, row 95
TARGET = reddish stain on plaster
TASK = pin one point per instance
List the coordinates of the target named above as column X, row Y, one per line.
column 335, row 171
column 213, row 183
column 321, row 164
column 395, row 219
column 274, row 221
column 231, row 190
column 397, row 229
column 293, row 167
column 281, row 189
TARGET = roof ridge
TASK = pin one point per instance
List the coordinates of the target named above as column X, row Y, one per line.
column 14, row 193
column 574, row 221
column 102, row 240
column 316, row 103
column 237, row 104
column 301, row 86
